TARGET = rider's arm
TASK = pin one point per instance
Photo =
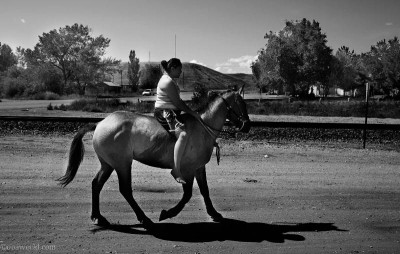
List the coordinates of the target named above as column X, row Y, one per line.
column 170, row 89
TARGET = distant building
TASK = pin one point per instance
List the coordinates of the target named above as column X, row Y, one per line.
column 319, row 91
column 103, row 88
column 127, row 88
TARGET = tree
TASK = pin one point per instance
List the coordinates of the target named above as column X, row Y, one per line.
column 133, row 70
column 73, row 51
column 295, row 58
column 7, row 57
column 149, row 76
column 266, row 68
column 255, row 69
column 383, row 62
column 21, row 82
column 200, row 95
column 344, row 69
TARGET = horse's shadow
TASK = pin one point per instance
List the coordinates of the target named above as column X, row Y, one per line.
column 228, row 229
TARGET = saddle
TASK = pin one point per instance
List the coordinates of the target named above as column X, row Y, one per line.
column 174, row 132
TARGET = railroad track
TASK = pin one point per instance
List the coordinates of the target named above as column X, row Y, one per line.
column 382, row 135
column 265, row 124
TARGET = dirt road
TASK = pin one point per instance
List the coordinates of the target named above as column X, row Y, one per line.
column 277, row 198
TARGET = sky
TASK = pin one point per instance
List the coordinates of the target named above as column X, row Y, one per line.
column 224, row 35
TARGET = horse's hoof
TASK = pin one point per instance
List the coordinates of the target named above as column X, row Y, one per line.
column 100, row 221
column 147, row 223
column 217, row 217
column 163, row 215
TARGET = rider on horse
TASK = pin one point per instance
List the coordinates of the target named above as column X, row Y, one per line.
column 168, row 108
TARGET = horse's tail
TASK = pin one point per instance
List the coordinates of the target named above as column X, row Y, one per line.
column 76, row 153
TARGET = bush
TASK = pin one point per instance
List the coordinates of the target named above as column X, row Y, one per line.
column 49, row 107
column 96, row 105
column 109, row 105
column 78, row 104
column 62, row 107
column 13, row 87
column 93, row 108
column 199, row 98
column 46, row 96
column 141, row 106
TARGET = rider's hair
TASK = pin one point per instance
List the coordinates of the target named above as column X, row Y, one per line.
column 173, row 62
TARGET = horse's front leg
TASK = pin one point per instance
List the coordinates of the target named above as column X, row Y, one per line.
column 201, row 179
column 187, row 194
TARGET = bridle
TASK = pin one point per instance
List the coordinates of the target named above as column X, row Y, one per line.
column 240, row 117
column 211, row 131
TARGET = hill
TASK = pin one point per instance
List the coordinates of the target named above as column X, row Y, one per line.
column 194, row 73
column 248, row 79
column 214, row 80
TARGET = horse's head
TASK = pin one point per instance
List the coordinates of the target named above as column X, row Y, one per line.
column 237, row 110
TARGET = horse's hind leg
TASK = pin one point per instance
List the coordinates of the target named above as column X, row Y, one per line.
column 201, row 179
column 97, row 185
column 125, row 187
column 187, row 194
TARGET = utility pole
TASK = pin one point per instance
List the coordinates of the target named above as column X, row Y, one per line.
column 367, row 90
column 120, row 72
column 121, row 77
column 183, row 80
column 175, row 45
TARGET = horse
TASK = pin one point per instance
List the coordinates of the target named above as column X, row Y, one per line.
column 125, row 136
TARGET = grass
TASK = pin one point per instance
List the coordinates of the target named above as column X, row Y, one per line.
column 107, row 106
column 382, row 109
column 46, row 96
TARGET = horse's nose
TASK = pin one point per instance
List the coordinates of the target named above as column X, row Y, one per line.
column 245, row 126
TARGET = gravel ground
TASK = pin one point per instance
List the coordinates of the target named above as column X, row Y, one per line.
column 283, row 190
column 277, row 198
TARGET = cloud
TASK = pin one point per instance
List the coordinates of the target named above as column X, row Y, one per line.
column 389, row 23
column 236, row 65
column 224, row 69
column 196, row 62
column 23, row 21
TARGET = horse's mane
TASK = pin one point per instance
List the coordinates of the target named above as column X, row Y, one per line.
column 212, row 96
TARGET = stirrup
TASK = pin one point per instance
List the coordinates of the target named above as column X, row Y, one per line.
column 217, row 152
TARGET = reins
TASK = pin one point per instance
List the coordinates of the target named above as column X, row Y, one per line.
column 211, row 131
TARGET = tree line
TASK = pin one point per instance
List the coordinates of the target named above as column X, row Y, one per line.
column 66, row 60
column 63, row 62
column 297, row 58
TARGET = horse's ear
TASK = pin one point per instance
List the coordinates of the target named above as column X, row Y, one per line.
column 241, row 90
